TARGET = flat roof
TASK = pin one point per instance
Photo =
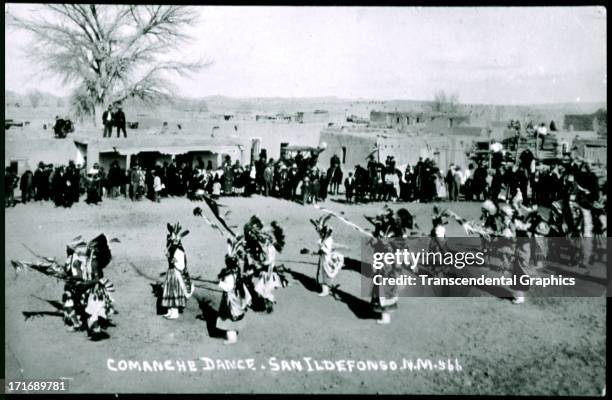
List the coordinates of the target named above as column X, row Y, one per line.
column 158, row 141
column 389, row 133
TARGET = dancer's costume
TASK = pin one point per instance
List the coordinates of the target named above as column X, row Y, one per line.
column 330, row 260
column 261, row 245
column 388, row 226
column 236, row 297
column 177, row 286
column 437, row 241
column 86, row 301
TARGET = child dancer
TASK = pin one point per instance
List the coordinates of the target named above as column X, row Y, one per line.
column 330, row 261
column 236, row 297
column 175, row 290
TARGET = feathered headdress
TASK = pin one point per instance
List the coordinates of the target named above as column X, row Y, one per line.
column 101, row 254
column 439, row 216
column 253, row 227
column 175, row 234
column 406, row 219
column 232, row 264
column 321, row 226
column 99, row 249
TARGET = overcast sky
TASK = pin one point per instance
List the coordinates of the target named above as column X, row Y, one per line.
column 486, row 55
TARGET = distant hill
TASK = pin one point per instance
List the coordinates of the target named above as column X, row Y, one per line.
column 479, row 113
column 39, row 99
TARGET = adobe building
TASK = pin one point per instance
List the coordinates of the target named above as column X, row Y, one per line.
column 594, row 150
column 436, row 122
column 312, row 117
column 353, row 145
column 149, row 151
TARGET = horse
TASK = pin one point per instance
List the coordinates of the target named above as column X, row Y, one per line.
column 334, row 176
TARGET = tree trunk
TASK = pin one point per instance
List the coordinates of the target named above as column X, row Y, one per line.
column 97, row 117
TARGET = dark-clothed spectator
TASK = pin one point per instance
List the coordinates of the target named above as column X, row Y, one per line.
column 10, row 183
column 349, row 186
column 27, row 187
column 119, row 120
column 107, row 122
column 38, row 181
column 115, row 180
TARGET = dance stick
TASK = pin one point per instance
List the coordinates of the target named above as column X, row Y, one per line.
column 341, row 218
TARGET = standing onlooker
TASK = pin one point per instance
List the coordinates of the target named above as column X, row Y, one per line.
column 50, row 177
column 450, row 181
column 45, row 184
column 10, row 182
column 74, row 178
column 38, row 181
column 479, row 182
column 323, row 186
column 115, row 180
column 315, row 185
column 149, row 178
column 349, row 186
column 542, row 132
column 440, row 186
column 268, row 176
column 134, row 181
column 27, row 187
column 93, row 186
column 107, row 122
column 458, row 180
column 228, row 177
column 293, row 179
column 216, row 186
column 468, row 181
column 408, row 182
column 120, row 122
column 103, row 180
column 157, row 185
column 305, row 189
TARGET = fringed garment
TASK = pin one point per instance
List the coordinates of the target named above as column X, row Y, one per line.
column 234, row 304
column 175, row 292
column 265, row 280
column 330, row 262
column 384, row 297
column 99, row 303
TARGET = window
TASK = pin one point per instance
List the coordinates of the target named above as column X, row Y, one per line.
column 343, row 154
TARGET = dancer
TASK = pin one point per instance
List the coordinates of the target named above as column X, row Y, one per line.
column 330, row 260
column 177, row 286
column 236, row 297
column 437, row 242
column 388, row 226
column 261, row 245
column 86, row 302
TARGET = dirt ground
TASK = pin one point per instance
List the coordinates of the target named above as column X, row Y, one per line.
column 547, row 346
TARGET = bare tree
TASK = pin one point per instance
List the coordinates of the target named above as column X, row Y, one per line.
column 34, row 96
column 110, row 52
column 444, row 103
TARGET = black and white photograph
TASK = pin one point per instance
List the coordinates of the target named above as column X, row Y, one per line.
column 305, row 199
